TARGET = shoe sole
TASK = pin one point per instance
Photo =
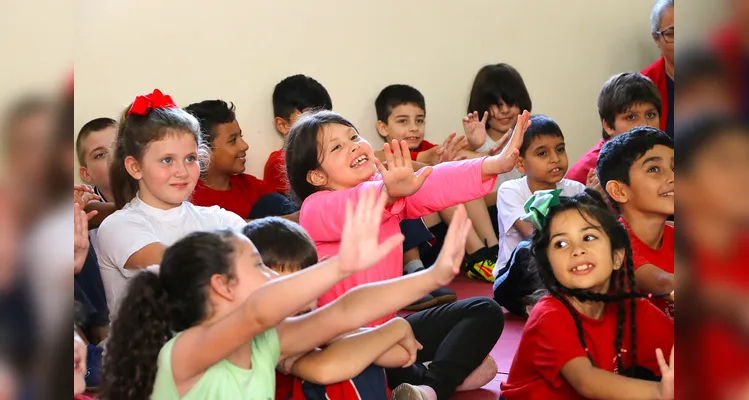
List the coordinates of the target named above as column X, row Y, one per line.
column 447, row 299
column 406, row 391
column 421, row 306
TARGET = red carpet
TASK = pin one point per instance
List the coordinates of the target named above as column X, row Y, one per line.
column 503, row 351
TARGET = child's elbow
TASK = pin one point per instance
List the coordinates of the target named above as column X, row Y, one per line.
column 327, row 374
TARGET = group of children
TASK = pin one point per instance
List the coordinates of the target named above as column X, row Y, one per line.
column 220, row 284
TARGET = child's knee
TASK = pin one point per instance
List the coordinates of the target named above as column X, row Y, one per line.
column 489, row 312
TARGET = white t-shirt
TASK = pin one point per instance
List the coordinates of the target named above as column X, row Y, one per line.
column 511, row 199
column 501, row 178
column 137, row 225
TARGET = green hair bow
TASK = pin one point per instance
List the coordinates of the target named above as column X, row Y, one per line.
column 537, row 207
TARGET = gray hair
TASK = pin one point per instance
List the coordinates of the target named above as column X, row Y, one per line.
column 656, row 15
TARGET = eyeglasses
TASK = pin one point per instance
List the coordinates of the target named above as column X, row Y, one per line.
column 667, row 34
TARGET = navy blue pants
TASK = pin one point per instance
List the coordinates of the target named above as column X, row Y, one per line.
column 88, row 292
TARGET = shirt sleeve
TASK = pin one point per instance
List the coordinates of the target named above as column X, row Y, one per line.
column 655, row 330
column 274, row 173
column 121, row 236
column 449, row 184
column 322, row 214
column 510, row 205
column 228, row 219
column 557, row 342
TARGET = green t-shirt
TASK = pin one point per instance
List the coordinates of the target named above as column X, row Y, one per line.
column 225, row 380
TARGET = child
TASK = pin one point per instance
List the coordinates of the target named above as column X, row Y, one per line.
column 627, row 100
column 154, row 171
column 590, row 337
column 225, row 184
column 291, row 97
column 344, row 364
column 329, row 164
column 499, row 95
column 94, row 147
column 213, row 322
column 401, row 114
column 299, row 93
column 637, row 171
column 543, row 161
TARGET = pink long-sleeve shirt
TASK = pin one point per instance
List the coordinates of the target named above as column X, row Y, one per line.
column 322, row 215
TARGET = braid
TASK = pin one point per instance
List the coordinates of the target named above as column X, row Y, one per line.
column 633, row 306
column 578, row 323
column 621, row 321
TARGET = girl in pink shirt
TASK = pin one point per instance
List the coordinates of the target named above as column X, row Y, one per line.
column 328, row 164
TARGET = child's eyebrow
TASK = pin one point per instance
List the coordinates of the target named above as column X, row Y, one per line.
column 652, row 160
column 587, row 228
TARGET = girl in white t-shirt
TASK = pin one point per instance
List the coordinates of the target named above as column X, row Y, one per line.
column 154, row 171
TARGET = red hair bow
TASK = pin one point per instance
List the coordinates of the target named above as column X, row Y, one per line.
column 143, row 104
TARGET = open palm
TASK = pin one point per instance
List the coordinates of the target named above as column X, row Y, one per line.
column 360, row 246
column 450, row 149
column 453, row 250
column 475, row 128
column 399, row 177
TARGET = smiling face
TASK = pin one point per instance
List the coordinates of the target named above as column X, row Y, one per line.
column 347, row 158
column 406, row 122
column 580, row 252
column 168, row 171
column 545, row 161
column 229, row 150
column 503, row 117
column 651, row 183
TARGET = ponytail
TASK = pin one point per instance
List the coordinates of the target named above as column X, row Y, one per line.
column 138, row 333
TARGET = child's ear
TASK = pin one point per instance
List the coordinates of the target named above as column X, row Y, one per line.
column 221, row 286
column 282, row 125
column 618, row 259
column 317, row 178
column 382, row 129
column 85, row 176
column 608, row 128
column 617, row 190
column 520, row 165
column 132, row 167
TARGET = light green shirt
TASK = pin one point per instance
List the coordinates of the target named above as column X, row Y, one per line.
column 225, row 380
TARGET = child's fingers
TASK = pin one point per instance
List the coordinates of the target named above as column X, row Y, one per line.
column 91, row 215
column 422, row 175
column 483, row 119
column 405, row 154
column 380, row 167
column 671, row 363
column 389, row 157
column 661, row 361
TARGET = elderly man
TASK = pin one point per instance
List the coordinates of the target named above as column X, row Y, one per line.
column 661, row 72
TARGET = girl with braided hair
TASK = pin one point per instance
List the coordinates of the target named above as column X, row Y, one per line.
column 594, row 335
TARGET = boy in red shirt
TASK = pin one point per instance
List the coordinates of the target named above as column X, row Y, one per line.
column 637, row 171
column 401, row 115
column 627, row 100
column 225, row 184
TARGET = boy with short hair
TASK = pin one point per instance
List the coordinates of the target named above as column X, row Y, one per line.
column 543, row 161
column 94, row 147
column 291, row 97
column 637, row 171
column 626, row 100
column 401, row 116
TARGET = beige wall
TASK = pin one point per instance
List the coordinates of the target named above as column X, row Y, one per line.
column 238, row 51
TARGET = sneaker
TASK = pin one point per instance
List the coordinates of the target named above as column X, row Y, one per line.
column 480, row 265
column 407, row 391
column 423, row 303
column 444, row 296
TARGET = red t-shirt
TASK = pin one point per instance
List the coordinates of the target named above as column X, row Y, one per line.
column 244, row 193
column 579, row 171
column 423, row 146
column 550, row 341
column 662, row 258
column 275, row 172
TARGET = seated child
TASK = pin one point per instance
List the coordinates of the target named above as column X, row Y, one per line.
column 593, row 336
column 344, row 365
column 401, row 116
column 300, row 93
column 332, row 166
column 543, row 161
column 212, row 321
column 637, row 171
column 94, row 147
column 225, row 184
column 291, row 97
column 626, row 100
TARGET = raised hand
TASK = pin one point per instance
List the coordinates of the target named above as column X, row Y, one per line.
column 399, row 177
column 500, row 144
column 451, row 256
column 80, row 238
column 82, row 194
column 450, row 149
column 504, row 161
column 360, row 247
column 475, row 129
column 667, row 373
